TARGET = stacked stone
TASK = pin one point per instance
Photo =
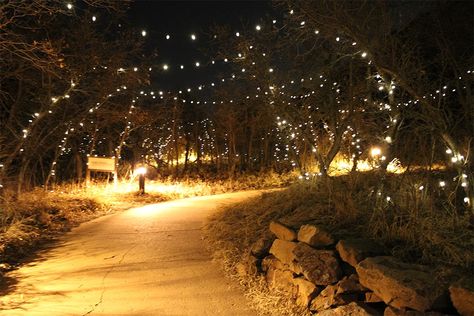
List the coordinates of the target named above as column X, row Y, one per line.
column 350, row 277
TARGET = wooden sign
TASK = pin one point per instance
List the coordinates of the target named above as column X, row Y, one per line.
column 101, row 164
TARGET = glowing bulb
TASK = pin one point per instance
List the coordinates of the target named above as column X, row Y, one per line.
column 197, row 64
column 143, row 33
column 270, row 70
column 193, row 37
column 167, row 36
column 237, row 34
column 182, row 66
column 375, row 151
column 388, row 139
column 69, row 6
column 94, row 18
column 442, row 184
column 364, row 54
column 140, row 170
column 258, row 27
column 165, row 67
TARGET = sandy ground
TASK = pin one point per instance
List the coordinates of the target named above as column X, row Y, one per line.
column 149, row 260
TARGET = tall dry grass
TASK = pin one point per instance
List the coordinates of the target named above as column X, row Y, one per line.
column 416, row 220
column 41, row 214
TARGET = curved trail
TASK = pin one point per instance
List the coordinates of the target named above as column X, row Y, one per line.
column 149, row 260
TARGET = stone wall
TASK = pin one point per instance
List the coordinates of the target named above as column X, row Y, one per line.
column 350, row 276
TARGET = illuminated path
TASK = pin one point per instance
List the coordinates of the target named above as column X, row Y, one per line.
column 145, row 261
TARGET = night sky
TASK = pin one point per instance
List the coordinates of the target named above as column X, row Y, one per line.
column 180, row 19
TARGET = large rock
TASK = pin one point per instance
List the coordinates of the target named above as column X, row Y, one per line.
column 462, row 296
column 283, row 250
column 345, row 291
column 282, row 232
column 261, row 247
column 305, row 291
column 354, row 251
column 399, row 284
column 280, row 279
column 318, row 266
column 350, row 284
column 271, row 261
column 391, row 311
column 248, row 266
column 371, row 297
column 352, row 309
column 328, row 298
column 315, row 236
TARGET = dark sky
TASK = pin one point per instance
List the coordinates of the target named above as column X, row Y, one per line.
column 180, row 19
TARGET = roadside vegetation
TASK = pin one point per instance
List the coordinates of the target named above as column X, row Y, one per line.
column 418, row 224
column 41, row 215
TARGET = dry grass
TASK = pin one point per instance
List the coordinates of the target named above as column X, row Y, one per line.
column 415, row 225
column 40, row 215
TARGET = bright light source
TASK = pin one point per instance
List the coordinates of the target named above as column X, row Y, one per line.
column 94, row 18
column 165, row 67
column 375, row 151
column 168, row 36
column 258, row 27
column 69, row 6
column 270, row 70
column 140, row 170
column 197, row 64
column 442, row 184
column 143, row 33
column 193, row 37
column 237, row 34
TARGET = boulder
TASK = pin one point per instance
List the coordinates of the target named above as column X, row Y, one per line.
column 371, row 297
column 249, row 265
column 352, row 309
column 399, row 284
column 305, row 291
column 354, row 251
column 282, row 232
column 283, row 250
column 315, row 236
column 272, row 262
column 462, row 296
column 392, row 311
column 345, row 291
column 329, row 298
column 350, row 284
column 261, row 247
column 280, row 279
column 318, row 266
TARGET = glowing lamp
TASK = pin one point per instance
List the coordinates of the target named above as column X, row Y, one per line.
column 140, row 170
column 375, row 151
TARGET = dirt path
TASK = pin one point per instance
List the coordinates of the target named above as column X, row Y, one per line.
column 145, row 261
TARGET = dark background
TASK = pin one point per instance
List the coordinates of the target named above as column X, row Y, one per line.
column 180, row 19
